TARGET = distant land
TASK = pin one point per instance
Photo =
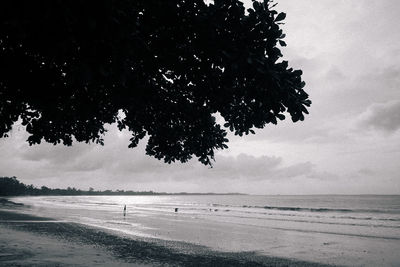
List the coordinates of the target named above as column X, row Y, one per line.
column 10, row 186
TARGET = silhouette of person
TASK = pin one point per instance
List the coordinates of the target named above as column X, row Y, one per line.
column 176, row 209
column 124, row 210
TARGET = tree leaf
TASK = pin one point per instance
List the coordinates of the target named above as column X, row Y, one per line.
column 281, row 16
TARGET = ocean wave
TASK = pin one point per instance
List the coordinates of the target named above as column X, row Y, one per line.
column 7, row 202
column 322, row 222
column 322, row 210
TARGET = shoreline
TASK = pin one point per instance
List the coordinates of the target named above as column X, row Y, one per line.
column 96, row 246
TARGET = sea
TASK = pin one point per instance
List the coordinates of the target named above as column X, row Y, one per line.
column 349, row 230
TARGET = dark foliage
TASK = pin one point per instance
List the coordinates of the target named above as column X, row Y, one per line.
column 69, row 67
column 10, row 186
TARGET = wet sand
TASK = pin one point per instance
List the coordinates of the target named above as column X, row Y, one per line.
column 27, row 240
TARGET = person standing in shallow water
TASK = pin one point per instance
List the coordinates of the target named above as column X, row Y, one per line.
column 124, row 210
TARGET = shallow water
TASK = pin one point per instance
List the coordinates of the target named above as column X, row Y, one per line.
column 348, row 230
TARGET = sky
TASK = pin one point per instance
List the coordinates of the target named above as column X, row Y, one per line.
column 349, row 51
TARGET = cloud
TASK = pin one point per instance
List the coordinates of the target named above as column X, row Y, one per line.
column 382, row 116
column 116, row 166
column 366, row 171
column 323, row 176
column 250, row 168
column 54, row 153
column 227, row 168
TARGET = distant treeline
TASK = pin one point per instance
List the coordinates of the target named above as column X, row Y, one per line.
column 10, row 186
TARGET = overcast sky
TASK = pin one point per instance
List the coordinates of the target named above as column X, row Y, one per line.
column 349, row 52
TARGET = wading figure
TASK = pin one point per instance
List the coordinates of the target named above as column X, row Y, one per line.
column 124, row 210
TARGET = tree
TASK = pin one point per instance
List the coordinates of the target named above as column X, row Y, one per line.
column 70, row 67
column 10, row 186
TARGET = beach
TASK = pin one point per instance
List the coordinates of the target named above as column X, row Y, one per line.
column 90, row 231
column 33, row 241
column 24, row 248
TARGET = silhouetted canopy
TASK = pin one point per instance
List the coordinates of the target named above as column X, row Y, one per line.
column 70, row 67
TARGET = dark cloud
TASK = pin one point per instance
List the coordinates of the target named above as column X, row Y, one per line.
column 366, row 171
column 250, row 168
column 323, row 176
column 334, row 74
column 114, row 164
column 383, row 116
column 54, row 153
column 241, row 167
